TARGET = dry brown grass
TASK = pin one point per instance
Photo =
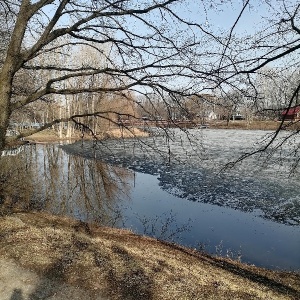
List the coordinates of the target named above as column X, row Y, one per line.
column 52, row 136
column 118, row 264
column 244, row 125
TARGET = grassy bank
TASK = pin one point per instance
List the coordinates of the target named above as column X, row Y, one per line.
column 104, row 263
column 51, row 135
column 245, row 125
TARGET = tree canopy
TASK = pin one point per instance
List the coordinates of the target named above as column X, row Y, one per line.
column 122, row 49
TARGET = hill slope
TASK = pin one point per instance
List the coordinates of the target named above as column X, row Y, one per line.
column 50, row 257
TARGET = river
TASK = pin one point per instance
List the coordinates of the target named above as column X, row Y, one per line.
column 172, row 187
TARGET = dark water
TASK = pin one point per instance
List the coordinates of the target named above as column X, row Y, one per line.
column 217, row 229
column 251, row 218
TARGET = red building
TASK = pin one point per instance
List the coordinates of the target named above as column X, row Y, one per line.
column 291, row 114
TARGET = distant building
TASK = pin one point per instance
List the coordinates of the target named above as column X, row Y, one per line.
column 12, row 132
column 237, row 117
column 212, row 116
column 291, row 114
column 25, row 125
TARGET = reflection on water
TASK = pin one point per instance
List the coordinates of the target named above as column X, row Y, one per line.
column 185, row 170
column 12, row 151
column 16, row 181
column 42, row 177
column 216, row 229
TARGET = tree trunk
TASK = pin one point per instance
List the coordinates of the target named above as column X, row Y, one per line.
column 5, row 93
column 11, row 65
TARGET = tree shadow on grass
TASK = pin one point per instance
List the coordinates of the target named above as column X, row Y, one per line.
column 127, row 281
column 132, row 282
column 44, row 287
column 53, row 281
column 50, row 282
column 17, row 295
column 253, row 276
column 124, row 277
column 258, row 278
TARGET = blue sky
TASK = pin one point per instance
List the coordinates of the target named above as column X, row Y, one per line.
column 215, row 18
column 224, row 16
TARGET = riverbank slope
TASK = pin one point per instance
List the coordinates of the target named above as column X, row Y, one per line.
column 50, row 257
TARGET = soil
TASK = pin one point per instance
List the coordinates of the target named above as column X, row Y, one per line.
column 50, row 257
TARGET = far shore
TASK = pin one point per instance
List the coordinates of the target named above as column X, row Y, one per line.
column 47, row 136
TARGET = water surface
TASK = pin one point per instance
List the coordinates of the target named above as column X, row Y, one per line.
column 169, row 188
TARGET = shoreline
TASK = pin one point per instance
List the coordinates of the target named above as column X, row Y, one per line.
column 51, row 136
column 111, row 263
column 48, row 136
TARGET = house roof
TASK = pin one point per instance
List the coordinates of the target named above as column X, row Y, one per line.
column 291, row 111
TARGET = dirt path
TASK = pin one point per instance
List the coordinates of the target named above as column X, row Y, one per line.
column 18, row 283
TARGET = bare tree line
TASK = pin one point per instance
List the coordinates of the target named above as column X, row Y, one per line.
column 100, row 60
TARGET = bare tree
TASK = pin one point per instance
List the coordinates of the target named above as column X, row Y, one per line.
column 132, row 59
column 146, row 48
column 275, row 90
column 274, row 43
